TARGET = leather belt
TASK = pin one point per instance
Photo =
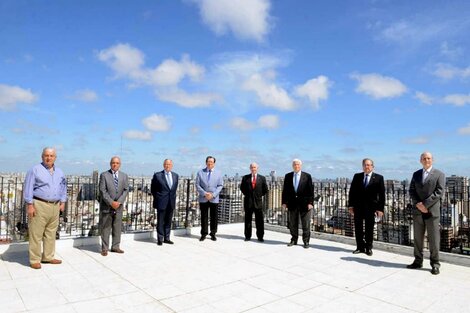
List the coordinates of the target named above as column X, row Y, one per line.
column 47, row 201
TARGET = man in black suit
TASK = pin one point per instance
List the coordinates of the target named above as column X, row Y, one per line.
column 427, row 188
column 254, row 188
column 366, row 200
column 297, row 198
column 163, row 187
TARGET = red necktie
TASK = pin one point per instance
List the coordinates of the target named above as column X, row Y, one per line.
column 253, row 182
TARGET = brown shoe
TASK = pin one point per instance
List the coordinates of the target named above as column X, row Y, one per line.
column 104, row 252
column 53, row 261
column 36, row 266
column 117, row 250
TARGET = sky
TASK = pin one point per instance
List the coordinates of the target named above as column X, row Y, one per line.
column 266, row 81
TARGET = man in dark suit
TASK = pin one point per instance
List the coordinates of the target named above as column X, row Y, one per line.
column 114, row 187
column 254, row 188
column 163, row 188
column 366, row 200
column 297, row 197
column 426, row 191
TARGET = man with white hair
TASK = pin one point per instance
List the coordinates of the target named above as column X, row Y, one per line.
column 45, row 194
column 297, row 198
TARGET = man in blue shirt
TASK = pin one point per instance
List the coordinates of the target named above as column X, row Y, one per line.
column 45, row 194
column 209, row 184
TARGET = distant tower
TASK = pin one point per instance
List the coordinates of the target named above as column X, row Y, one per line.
column 273, row 176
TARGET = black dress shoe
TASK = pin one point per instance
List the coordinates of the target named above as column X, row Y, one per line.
column 414, row 265
column 357, row 251
column 306, row 246
column 292, row 243
column 213, row 238
column 369, row 252
column 159, row 243
column 247, row 239
column 168, row 241
column 202, row 238
column 435, row 271
column 260, row 239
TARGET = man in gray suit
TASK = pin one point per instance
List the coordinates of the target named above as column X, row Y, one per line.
column 114, row 187
column 209, row 184
column 426, row 190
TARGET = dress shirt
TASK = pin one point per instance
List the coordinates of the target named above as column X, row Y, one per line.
column 298, row 179
column 426, row 173
column 40, row 183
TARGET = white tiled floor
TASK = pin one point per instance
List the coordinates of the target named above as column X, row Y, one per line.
column 228, row 275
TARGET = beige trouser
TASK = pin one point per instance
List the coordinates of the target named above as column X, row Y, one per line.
column 43, row 228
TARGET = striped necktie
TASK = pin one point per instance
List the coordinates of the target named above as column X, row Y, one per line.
column 116, row 181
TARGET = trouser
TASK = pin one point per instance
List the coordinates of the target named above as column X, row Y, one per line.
column 259, row 220
column 42, row 231
column 305, row 218
column 111, row 223
column 364, row 239
column 205, row 207
column 420, row 225
column 164, row 219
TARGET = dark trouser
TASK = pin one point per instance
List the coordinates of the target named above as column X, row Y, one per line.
column 111, row 221
column 259, row 219
column 164, row 219
column 365, row 238
column 305, row 219
column 434, row 237
column 205, row 206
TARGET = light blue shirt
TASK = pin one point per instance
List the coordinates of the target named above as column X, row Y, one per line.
column 41, row 184
column 214, row 185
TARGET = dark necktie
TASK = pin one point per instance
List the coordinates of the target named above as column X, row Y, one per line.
column 366, row 180
column 116, row 181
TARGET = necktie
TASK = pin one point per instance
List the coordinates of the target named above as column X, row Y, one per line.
column 425, row 175
column 253, row 182
column 116, row 181
column 169, row 180
column 296, row 181
column 366, row 180
column 209, row 176
column 51, row 170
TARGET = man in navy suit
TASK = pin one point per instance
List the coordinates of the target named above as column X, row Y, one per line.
column 163, row 188
column 297, row 198
column 366, row 200
column 254, row 188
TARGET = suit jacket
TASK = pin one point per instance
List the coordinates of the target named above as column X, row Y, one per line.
column 304, row 195
column 371, row 197
column 253, row 197
column 108, row 191
column 163, row 195
column 430, row 192
column 214, row 186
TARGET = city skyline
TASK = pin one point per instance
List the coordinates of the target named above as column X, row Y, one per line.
column 256, row 81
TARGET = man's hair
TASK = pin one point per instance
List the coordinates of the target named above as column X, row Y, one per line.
column 210, row 157
column 367, row 159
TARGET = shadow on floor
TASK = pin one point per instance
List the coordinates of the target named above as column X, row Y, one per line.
column 375, row 263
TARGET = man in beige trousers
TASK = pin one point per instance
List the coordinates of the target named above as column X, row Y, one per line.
column 45, row 194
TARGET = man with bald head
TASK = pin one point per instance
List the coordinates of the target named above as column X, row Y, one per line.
column 114, row 187
column 45, row 194
column 254, row 188
column 427, row 188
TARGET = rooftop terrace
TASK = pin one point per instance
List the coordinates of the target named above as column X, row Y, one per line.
column 228, row 275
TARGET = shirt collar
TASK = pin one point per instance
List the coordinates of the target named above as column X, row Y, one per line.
column 427, row 170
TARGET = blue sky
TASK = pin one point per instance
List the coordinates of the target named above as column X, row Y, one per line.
column 329, row 82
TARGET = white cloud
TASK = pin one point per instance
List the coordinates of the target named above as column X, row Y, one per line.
column 184, row 99
column 378, row 86
column 269, row 94
column 137, row 135
column 11, row 96
column 449, row 51
column 157, row 123
column 420, row 140
column 268, row 121
column 85, row 95
column 128, row 62
column 424, row 98
column 241, row 124
column 315, row 89
column 457, row 99
column 446, row 71
column 464, row 130
column 246, row 19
